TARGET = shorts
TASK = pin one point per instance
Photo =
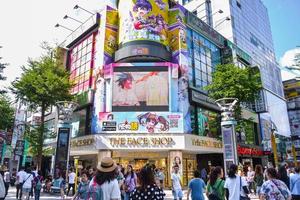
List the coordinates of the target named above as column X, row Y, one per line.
column 177, row 193
column 26, row 190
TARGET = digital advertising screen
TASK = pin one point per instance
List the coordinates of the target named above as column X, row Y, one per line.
column 140, row 89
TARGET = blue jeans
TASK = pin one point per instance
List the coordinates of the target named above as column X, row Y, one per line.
column 126, row 196
column 37, row 194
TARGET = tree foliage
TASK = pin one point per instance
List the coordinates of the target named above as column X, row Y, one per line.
column 7, row 113
column 44, row 82
column 230, row 81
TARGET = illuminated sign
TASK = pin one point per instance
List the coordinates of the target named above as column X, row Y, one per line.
column 249, row 151
column 145, row 141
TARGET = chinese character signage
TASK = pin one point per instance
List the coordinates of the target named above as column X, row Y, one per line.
column 139, row 122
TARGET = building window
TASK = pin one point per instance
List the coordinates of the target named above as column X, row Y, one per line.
column 80, row 65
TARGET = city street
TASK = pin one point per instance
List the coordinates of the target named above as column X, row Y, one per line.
column 45, row 196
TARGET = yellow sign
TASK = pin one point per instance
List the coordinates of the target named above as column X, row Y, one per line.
column 141, row 141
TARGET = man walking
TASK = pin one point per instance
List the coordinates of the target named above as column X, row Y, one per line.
column 176, row 184
column 295, row 184
column 6, row 179
column 71, row 183
column 20, row 179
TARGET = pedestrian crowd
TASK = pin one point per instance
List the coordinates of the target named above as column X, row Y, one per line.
column 111, row 181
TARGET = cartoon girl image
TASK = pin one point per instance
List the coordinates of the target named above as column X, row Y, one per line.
column 141, row 9
column 151, row 121
column 161, row 27
column 184, row 102
column 160, row 4
column 125, row 95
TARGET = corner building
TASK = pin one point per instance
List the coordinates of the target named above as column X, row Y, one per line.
column 139, row 74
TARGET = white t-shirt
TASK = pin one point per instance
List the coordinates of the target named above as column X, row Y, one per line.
column 72, row 178
column 6, row 177
column 234, row 187
column 21, row 175
column 111, row 190
column 176, row 181
column 28, row 178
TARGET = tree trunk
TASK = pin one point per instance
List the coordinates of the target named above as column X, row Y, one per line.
column 41, row 138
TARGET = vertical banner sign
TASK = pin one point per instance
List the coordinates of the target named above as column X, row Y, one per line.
column 1, row 149
column 19, row 148
column 62, row 148
column 26, row 148
column 230, row 156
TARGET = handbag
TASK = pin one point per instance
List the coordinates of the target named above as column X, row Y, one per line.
column 241, row 188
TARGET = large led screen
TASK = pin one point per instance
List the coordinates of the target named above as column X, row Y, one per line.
column 140, row 89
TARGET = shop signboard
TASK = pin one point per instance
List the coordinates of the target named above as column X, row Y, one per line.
column 143, row 20
column 19, row 147
column 140, row 122
column 19, row 126
column 62, row 148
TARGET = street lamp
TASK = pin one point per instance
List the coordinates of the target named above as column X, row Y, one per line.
column 59, row 25
column 76, row 20
column 78, row 7
column 207, row 1
column 65, row 110
column 228, row 123
column 219, row 11
column 221, row 21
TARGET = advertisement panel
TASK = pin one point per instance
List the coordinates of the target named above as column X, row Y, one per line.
column 139, row 122
column 19, row 127
column 140, row 89
column 143, row 20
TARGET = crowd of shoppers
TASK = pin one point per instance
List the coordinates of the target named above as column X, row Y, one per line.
column 112, row 181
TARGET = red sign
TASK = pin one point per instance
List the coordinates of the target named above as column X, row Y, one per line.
column 249, row 151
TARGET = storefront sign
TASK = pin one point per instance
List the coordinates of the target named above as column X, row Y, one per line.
column 144, row 141
column 200, row 26
column 203, row 100
column 249, row 151
column 207, row 143
column 84, row 142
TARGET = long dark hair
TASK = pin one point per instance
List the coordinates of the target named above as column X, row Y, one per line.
column 232, row 171
column 258, row 170
column 102, row 177
column 272, row 172
column 131, row 173
column 282, row 174
column 214, row 175
column 146, row 176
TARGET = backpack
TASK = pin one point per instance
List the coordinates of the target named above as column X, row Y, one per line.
column 214, row 195
column 38, row 185
column 95, row 191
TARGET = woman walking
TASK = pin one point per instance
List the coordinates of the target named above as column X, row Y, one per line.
column 235, row 186
column 215, row 185
column 104, row 185
column 283, row 176
column 147, row 188
column 27, row 184
column 258, row 178
column 130, row 182
column 83, row 187
column 37, row 185
column 273, row 188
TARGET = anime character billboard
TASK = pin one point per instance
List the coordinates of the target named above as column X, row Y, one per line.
column 139, row 122
column 140, row 90
column 143, row 20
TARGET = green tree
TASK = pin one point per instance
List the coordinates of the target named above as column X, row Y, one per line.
column 230, row 81
column 7, row 113
column 44, row 82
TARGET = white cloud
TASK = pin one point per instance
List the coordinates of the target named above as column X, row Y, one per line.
column 25, row 24
column 287, row 60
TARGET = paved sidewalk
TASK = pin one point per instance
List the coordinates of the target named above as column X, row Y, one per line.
column 45, row 196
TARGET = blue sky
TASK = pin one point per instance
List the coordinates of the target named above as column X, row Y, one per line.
column 284, row 18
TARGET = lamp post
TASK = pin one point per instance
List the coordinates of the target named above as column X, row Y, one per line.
column 76, row 20
column 221, row 21
column 59, row 25
column 65, row 110
column 78, row 7
column 228, row 124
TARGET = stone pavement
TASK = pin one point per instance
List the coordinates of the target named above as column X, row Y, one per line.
column 45, row 196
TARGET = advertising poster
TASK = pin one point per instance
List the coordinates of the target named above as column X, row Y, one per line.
column 139, row 122
column 62, row 148
column 19, row 127
column 176, row 160
column 111, row 31
column 143, row 20
column 141, row 90
column 19, row 147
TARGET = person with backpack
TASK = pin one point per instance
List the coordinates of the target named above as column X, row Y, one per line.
column 196, row 187
column 83, row 187
column 274, row 188
column 235, row 186
column 295, row 184
column 37, row 185
column 104, row 185
column 215, row 186
column 27, row 184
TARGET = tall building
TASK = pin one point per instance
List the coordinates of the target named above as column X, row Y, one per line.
column 246, row 24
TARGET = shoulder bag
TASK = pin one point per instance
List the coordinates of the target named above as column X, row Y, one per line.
column 214, row 195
